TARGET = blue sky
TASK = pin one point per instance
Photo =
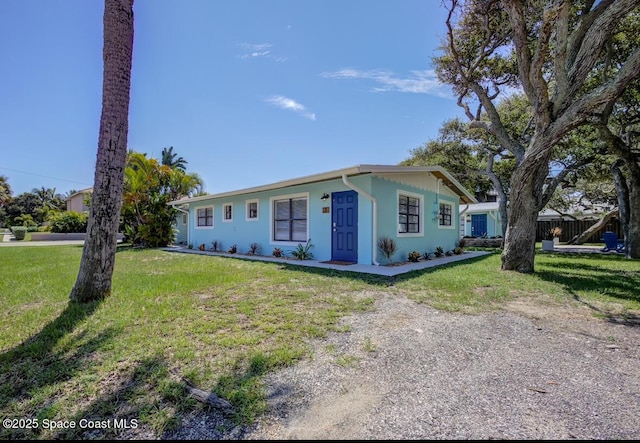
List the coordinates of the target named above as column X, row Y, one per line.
column 249, row 92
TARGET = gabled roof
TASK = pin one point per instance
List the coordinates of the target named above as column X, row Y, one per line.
column 82, row 191
column 438, row 171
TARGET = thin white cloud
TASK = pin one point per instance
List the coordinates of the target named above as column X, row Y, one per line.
column 260, row 50
column 417, row 82
column 255, row 47
column 291, row 105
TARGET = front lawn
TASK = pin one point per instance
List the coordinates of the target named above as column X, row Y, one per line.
column 220, row 324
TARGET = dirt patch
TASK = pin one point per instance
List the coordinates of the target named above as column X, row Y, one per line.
column 537, row 370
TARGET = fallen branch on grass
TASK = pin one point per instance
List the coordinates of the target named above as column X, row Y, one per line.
column 209, row 398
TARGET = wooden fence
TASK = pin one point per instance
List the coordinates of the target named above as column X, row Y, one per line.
column 571, row 228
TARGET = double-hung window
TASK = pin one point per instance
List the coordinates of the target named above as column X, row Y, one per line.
column 252, row 210
column 408, row 214
column 290, row 219
column 445, row 214
column 205, row 217
column 227, row 212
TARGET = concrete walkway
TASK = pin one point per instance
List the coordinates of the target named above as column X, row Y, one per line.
column 581, row 249
column 9, row 240
column 388, row 271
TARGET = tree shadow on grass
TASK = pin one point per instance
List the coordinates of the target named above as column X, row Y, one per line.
column 377, row 279
column 33, row 368
column 419, row 272
column 615, row 283
column 244, row 387
column 373, row 279
column 136, row 404
column 151, row 401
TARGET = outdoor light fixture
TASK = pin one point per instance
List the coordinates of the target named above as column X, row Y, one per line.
column 324, row 197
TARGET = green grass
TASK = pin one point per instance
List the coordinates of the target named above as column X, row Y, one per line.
column 222, row 324
column 608, row 283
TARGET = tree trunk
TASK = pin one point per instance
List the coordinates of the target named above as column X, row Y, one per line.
column 98, row 255
column 622, row 193
column 580, row 239
column 632, row 243
column 526, row 194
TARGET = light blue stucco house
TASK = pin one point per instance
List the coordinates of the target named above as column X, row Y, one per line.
column 480, row 220
column 343, row 213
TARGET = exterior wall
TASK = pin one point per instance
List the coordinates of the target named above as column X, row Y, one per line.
column 181, row 228
column 76, row 203
column 386, row 188
column 242, row 232
column 431, row 234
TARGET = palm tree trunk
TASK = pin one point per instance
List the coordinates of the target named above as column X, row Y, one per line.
column 99, row 253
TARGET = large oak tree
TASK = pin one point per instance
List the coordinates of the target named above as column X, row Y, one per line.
column 549, row 50
column 99, row 253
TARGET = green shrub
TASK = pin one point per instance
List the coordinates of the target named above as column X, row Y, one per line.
column 68, row 221
column 254, row 249
column 302, row 252
column 26, row 220
column 150, row 225
column 387, row 246
column 414, row 256
column 19, row 232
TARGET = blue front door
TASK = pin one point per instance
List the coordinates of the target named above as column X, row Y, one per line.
column 478, row 225
column 344, row 226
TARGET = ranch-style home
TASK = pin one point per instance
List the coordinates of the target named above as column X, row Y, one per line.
column 342, row 213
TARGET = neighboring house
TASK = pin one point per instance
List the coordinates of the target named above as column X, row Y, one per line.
column 483, row 219
column 578, row 213
column 75, row 202
column 343, row 213
column 480, row 220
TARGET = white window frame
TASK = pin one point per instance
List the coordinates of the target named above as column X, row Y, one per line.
column 184, row 219
column 272, row 215
column 247, row 213
column 440, row 215
column 197, row 221
column 420, row 197
column 224, row 212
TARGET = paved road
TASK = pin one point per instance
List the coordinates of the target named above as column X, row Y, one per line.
column 8, row 240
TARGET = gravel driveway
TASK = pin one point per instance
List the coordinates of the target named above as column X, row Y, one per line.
column 407, row 371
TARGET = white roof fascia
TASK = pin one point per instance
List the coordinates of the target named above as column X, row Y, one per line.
column 330, row 175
